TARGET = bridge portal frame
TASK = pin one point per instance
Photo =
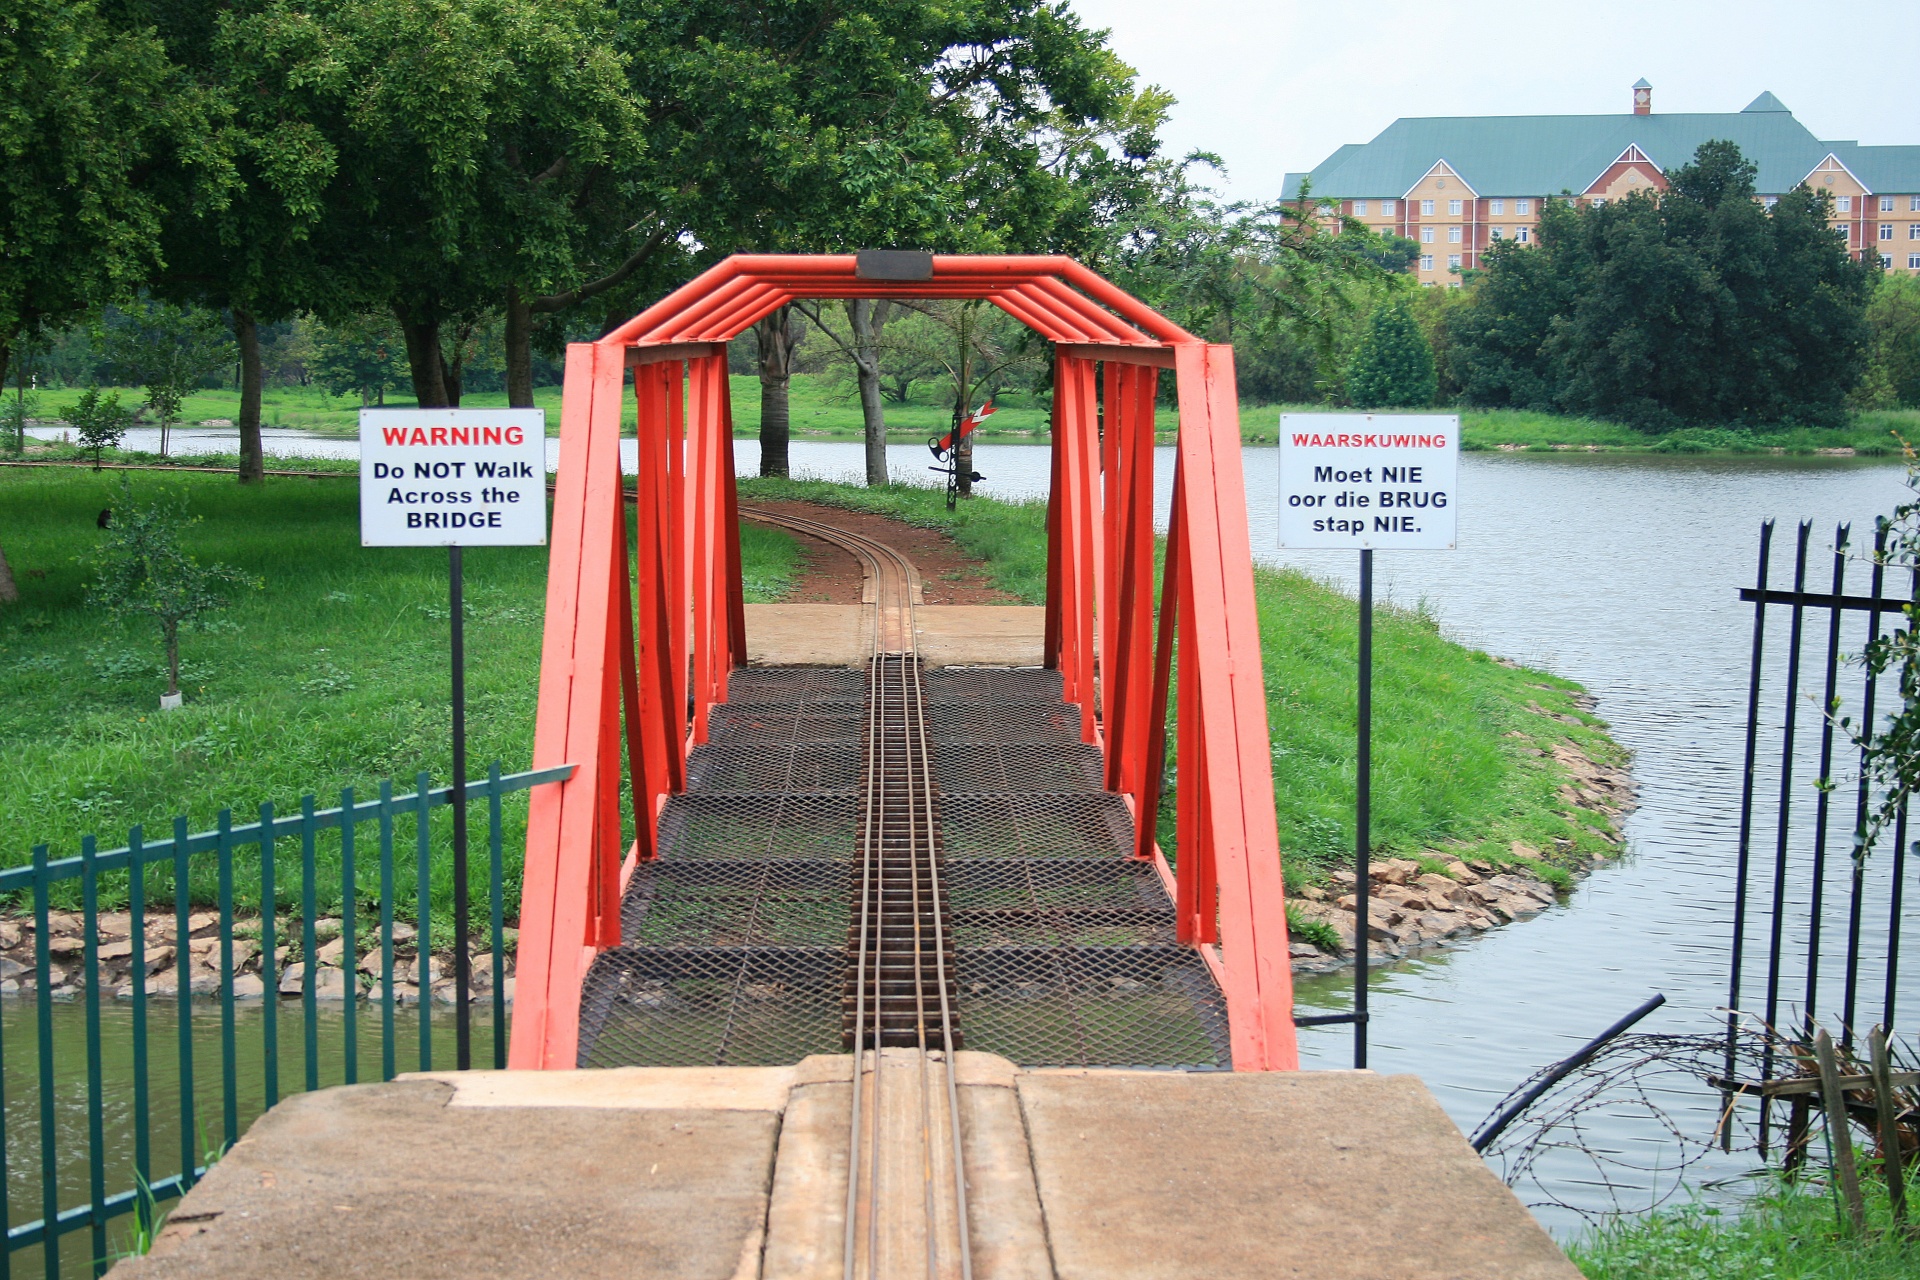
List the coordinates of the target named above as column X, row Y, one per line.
column 634, row 653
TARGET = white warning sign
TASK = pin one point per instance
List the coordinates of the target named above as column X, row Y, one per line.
column 1369, row 481
column 441, row 477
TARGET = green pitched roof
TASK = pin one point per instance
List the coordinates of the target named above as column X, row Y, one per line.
column 1765, row 102
column 1545, row 155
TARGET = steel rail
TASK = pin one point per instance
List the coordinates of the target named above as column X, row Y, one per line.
column 896, row 591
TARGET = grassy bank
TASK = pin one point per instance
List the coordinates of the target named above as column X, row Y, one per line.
column 1786, row 1233
column 333, row 674
column 1458, row 736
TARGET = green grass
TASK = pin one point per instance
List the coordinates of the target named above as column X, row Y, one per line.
column 1454, row 773
column 1786, row 1233
column 334, row 674
column 824, row 407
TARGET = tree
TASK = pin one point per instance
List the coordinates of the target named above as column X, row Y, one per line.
column 860, row 347
column 362, row 356
column 99, row 421
column 142, row 571
column 1893, row 345
column 168, row 350
column 458, row 148
column 977, row 348
column 1393, row 365
column 98, row 133
column 1696, row 305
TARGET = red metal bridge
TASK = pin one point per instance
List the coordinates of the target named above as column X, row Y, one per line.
column 750, row 865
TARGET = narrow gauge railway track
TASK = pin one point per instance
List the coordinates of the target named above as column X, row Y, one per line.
column 900, row 973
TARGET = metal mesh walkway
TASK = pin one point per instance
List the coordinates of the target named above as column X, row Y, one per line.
column 735, row 940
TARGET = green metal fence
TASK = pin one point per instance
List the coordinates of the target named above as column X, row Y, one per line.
column 198, row 1108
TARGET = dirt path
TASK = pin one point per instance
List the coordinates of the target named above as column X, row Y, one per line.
column 832, row 576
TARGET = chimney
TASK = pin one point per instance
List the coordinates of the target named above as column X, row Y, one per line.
column 1642, row 97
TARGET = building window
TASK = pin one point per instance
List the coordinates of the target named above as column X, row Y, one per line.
column 1497, row 233
column 1886, row 204
column 1426, row 208
column 1453, row 207
column 1913, row 262
column 1600, row 202
column 1913, row 231
column 1426, row 235
column 1913, row 204
column 1386, row 208
column 1453, row 261
column 1886, row 231
column 1522, row 234
column 1886, row 261
column 1453, row 235
column 1525, row 207
column 1360, row 208
column 1843, row 203
column 1769, row 201
column 1497, row 205
column 1426, row 262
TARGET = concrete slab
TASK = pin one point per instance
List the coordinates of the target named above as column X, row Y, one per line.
column 789, row 635
column 387, row 1180
column 806, row 1220
column 984, row 635
column 741, row 1173
column 1329, row 1174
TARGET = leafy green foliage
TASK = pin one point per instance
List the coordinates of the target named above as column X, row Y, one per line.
column 169, row 350
column 101, row 136
column 98, row 421
column 1893, row 345
column 1392, row 367
column 1700, row 306
column 363, row 356
column 141, row 570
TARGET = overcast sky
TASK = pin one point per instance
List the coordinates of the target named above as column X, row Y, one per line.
column 1276, row 85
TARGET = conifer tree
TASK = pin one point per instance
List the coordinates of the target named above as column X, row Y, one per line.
column 1392, row 368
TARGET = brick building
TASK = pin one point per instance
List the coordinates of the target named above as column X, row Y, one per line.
column 1456, row 184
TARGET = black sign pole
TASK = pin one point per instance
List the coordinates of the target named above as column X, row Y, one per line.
column 1362, row 815
column 462, row 968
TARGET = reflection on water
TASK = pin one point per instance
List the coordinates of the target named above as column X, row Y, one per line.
column 177, row 1136
column 1621, row 573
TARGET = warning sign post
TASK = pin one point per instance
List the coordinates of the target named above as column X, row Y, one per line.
column 1369, row 482
column 454, row 478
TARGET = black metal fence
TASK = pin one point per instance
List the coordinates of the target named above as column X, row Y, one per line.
column 1802, row 878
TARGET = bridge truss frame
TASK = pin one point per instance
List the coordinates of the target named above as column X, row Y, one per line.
column 636, row 650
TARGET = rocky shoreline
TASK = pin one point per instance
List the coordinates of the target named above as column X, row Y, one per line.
column 1416, row 906
column 66, row 949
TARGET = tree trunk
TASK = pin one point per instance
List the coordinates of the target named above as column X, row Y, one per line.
column 8, row 591
column 775, row 335
column 450, row 374
column 253, row 463
column 963, row 444
column 18, row 438
column 172, row 632
column 866, row 318
column 424, row 362
column 519, row 342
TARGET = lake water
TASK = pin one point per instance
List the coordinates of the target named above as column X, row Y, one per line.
column 1618, row 572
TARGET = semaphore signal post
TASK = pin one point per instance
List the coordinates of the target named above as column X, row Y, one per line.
column 454, row 478
column 1367, row 482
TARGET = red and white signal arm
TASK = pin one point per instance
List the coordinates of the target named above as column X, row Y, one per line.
column 1369, row 481
column 447, row 477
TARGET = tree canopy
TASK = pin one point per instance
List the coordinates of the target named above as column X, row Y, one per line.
column 1700, row 305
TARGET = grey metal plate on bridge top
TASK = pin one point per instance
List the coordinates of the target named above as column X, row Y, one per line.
column 734, row 940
